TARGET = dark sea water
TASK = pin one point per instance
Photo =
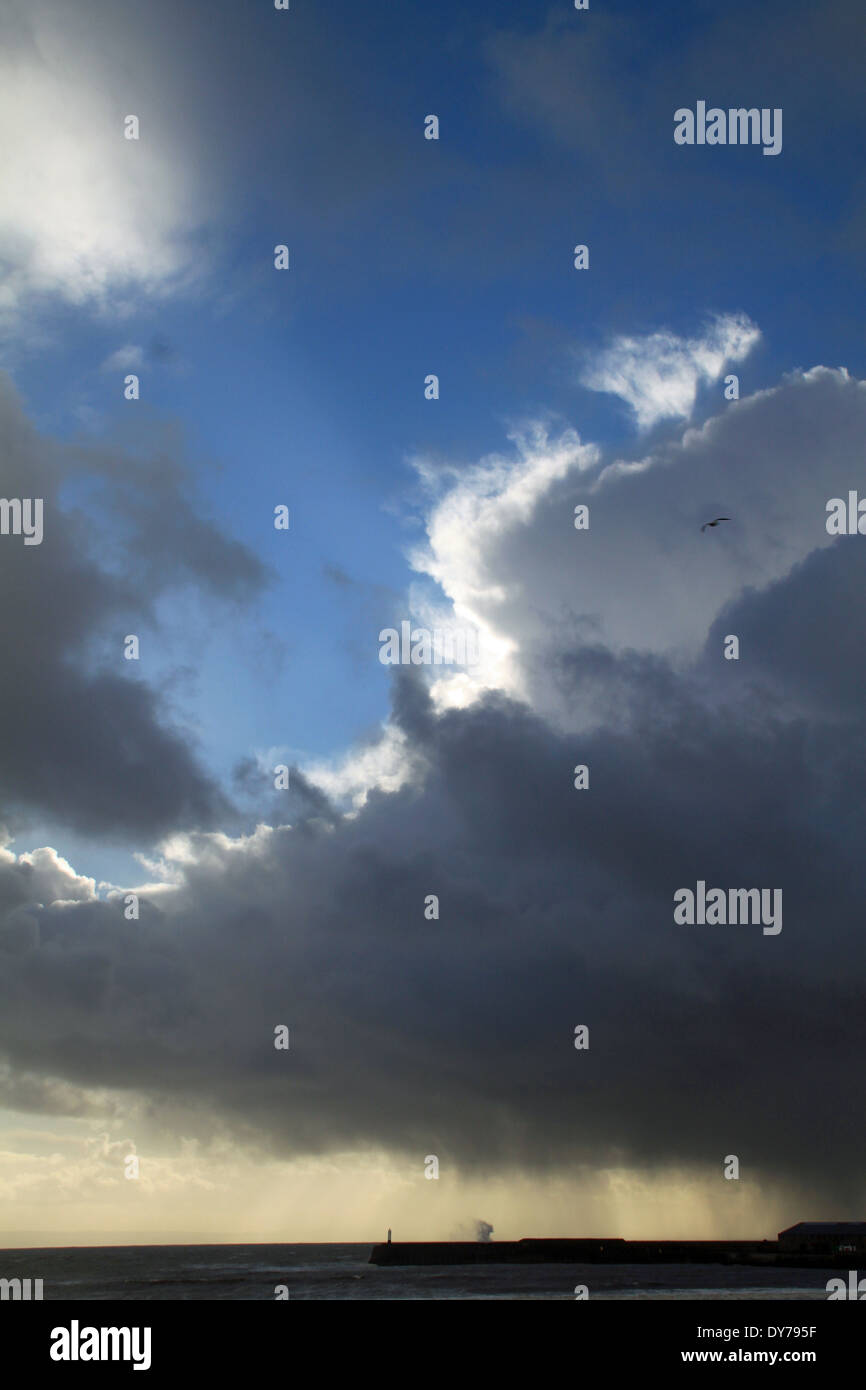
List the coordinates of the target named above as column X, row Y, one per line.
column 251, row 1272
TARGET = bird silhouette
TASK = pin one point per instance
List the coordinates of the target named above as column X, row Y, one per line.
column 714, row 523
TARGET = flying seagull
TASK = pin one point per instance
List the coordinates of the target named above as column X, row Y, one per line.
column 714, row 523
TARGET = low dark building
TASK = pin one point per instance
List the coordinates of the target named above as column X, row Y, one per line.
column 824, row 1238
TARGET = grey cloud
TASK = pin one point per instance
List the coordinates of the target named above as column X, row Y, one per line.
column 806, row 639
column 302, row 799
column 87, row 742
column 40, row 1095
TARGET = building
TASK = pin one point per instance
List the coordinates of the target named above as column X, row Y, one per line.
column 825, row 1238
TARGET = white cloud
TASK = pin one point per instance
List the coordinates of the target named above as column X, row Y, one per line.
column 44, row 876
column 89, row 217
column 384, row 765
column 502, row 548
column 658, row 376
column 489, row 503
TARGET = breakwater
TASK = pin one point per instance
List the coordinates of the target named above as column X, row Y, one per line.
column 597, row 1251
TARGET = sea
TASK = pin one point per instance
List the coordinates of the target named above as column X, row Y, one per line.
column 252, row 1273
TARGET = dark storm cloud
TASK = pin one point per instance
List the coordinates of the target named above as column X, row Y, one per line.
column 825, row 671
column 456, row 1037
column 85, row 738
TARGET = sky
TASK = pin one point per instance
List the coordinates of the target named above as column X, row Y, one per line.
column 419, row 1031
